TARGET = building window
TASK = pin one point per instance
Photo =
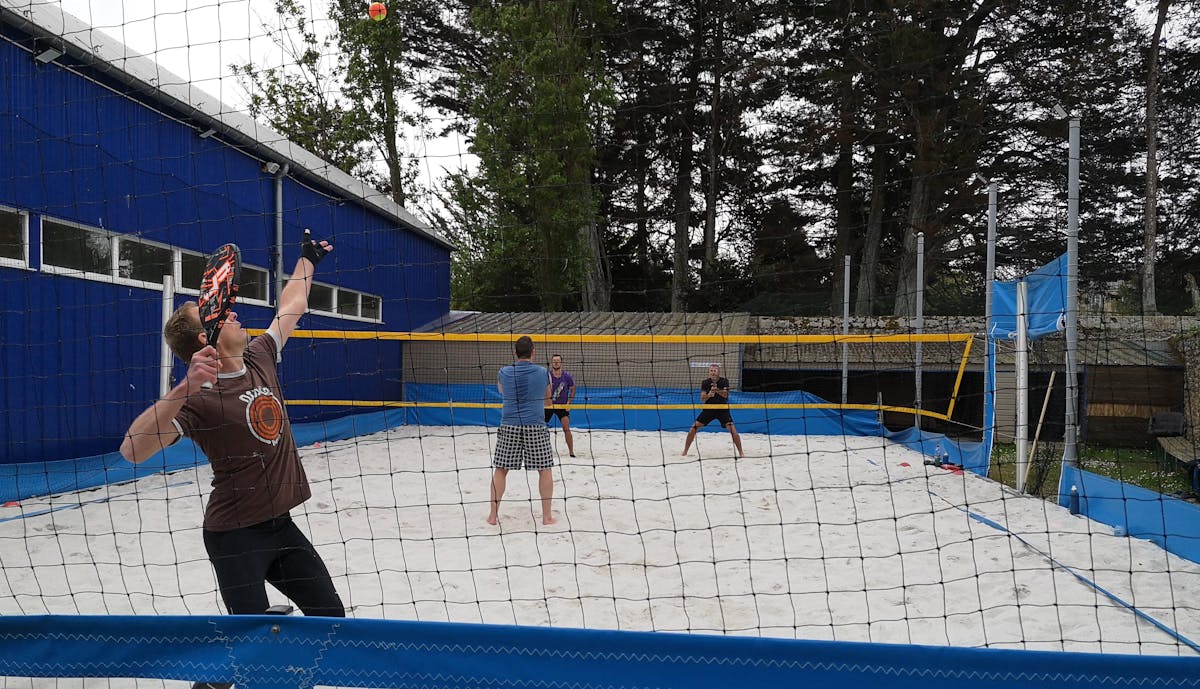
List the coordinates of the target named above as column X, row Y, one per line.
column 370, row 307
column 76, row 249
column 340, row 301
column 144, row 262
column 14, row 237
column 253, row 286
column 347, row 302
column 95, row 253
column 320, row 298
column 191, row 270
column 254, row 283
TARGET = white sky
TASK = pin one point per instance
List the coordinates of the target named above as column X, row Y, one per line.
column 198, row 40
column 195, row 39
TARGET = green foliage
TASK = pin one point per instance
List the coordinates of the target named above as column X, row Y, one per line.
column 796, row 133
column 346, row 96
column 534, row 101
column 301, row 99
column 1144, row 468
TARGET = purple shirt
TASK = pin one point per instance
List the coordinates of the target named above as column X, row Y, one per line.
column 561, row 387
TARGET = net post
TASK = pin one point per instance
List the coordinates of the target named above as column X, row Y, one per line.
column 989, row 278
column 846, row 330
column 164, row 352
column 1071, row 423
column 919, row 325
column 1022, row 429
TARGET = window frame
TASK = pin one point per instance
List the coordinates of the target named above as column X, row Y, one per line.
column 113, row 257
column 358, row 301
column 114, row 268
column 23, row 262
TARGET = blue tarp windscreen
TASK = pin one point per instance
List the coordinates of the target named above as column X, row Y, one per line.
column 1046, row 294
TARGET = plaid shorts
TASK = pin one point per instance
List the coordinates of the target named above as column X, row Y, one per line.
column 523, row 447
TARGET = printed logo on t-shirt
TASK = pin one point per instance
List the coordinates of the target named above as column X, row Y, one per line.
column 264, row 414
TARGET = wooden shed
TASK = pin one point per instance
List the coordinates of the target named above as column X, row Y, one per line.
column 594, row 364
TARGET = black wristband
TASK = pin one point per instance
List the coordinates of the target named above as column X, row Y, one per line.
column 311, row 250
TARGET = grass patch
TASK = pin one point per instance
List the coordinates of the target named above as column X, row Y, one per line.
column 1144, row 468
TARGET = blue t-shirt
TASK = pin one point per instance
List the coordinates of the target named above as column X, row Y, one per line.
column 524, row 385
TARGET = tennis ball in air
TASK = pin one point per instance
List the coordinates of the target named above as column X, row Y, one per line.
column 377, row 10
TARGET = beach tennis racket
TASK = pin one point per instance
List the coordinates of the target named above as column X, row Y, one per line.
column 218, row 290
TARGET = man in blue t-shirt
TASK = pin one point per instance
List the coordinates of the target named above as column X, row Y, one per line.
column 562, row 386
column 523, row 441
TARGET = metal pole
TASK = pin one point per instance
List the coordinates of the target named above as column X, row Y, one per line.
column 164, row 352
column 278, row 248
column 990, row 276
column 846, row 331
column 1022, row 429
column 920, row 321
column 1071, row 422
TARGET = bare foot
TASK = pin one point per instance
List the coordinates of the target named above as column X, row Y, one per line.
column 493, row 520
column 549, row 520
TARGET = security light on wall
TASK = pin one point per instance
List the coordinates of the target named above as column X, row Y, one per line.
column 48, row 55
column 270, row 167
column 1059, row 112
column 207, row 133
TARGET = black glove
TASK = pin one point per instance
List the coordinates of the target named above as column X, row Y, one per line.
column 311, row 250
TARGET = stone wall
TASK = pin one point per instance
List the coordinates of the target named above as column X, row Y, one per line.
column 1188, row 347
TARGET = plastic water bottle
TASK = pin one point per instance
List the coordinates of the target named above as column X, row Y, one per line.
column 1073, row 500
column 940, row 455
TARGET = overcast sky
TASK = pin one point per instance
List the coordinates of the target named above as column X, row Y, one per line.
column 199, row 39
column 195, row 39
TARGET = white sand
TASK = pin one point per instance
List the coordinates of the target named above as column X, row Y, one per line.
column 806, row 537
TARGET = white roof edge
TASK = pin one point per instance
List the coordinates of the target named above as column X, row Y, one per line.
column 151, row 79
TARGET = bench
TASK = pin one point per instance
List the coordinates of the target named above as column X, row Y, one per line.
column 1186, row 455
column 1177, row 450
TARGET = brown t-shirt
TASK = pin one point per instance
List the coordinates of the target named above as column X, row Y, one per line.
column 242, row 426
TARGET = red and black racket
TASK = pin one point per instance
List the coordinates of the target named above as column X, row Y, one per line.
column 218, row 290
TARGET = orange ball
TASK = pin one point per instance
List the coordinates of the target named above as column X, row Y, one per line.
column 377, row 10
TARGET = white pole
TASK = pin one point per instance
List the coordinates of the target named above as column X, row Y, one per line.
column 988, row 384
column 278, row 248
column 920, row 321
column 846, row 331
column 164, row 352
column 1071, row 422
column 1022, row 429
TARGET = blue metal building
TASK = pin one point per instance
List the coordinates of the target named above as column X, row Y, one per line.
column 114, row 173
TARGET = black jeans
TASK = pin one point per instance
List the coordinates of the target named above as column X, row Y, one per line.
column 273, row 551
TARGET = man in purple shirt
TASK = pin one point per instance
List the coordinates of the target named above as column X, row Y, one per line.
column 562, row 386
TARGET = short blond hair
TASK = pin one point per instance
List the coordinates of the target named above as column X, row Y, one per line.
column 182, row 332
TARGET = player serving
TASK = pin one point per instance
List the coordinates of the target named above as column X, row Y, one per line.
column 243, row 428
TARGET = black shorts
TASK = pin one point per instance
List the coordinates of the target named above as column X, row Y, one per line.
column 560, row 413
column 709, row 415
column 277, row 552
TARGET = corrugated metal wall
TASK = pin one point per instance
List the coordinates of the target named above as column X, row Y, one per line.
column 78, row 357
column 591, row 364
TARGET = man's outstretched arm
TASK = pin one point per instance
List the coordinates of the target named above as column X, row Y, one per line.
column 293, row 302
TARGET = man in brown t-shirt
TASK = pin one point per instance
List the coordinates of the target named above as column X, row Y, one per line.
column 242, row 426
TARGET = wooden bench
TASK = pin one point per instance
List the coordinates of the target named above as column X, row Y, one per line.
column 1186, row 455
